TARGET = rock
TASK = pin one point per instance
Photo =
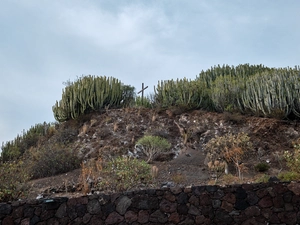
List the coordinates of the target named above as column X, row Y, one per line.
column 167, row 207
column 294, row 187
column 114, row 218
column 174, row 218
column 94, row 207
column 130, row 216
column 193, row 210
column 265, row 202
column 123, row 203
column 62, row 211
column 143, row 216
column 158, row 217
column 182, row 198
column 252, row 211
column 5, row 209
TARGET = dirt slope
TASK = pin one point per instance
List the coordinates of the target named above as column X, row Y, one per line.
column 114, row 132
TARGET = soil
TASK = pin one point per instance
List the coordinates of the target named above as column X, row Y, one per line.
column 114, row 132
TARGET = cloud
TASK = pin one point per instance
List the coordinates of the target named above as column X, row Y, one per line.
column 46, row 43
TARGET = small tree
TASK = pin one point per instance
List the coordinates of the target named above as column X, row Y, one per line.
column 231, row 148
column 153, row 145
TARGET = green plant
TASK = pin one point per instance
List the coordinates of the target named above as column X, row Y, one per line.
column 124, row 173
column 153, row 145
column 12, row 177
column 91, row 93
column 51, row 160
column 261, row 167
column 13, row 150
column 264, row 178
column 143, row 102
column 289, row 176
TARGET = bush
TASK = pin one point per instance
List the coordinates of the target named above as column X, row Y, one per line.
column 230, row 147
column 153, row 145
column 51, row 160
column 124, row 173
column 264, row 178
column 293, row 158
column 289, row 176
column 12, row 177
column 261, row 167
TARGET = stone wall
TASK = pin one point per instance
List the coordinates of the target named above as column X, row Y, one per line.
column 270, row 203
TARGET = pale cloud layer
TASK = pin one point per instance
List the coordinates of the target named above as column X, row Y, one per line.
column 44, row 43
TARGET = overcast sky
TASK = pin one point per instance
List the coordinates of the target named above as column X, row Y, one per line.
column 45, row 43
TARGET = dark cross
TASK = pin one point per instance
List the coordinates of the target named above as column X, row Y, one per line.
column 143, row 89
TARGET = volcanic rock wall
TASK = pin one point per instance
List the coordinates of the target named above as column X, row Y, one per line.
column 269, row 203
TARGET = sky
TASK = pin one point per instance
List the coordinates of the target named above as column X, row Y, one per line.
column 46, row 43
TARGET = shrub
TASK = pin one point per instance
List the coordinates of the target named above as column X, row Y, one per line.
column 12, row 177
column 230, row 147
column 293, row 158
column 51, row 160
column 289, row 176
column 261, row 167
column 264, row 178
column 153, row 145
column 124, row 173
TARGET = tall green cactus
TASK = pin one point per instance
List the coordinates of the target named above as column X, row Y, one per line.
column 89, row 93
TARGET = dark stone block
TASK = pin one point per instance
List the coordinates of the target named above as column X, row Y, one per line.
column 218, row 194
column 167, row 207
column 211, row 188
column 252, row 198
column 198, row 190
column 34, row 220
column 94, row 207
column 80, row 210
column 71, row 211
column 182, row 209
column 143, row 216
column 144, row 202
column 62, row 211
column 107, row 209
column 222, row 216
column 28, row 211
column 114, row 218
column 288, row 196
column 265, row 202
column 241, row 204
column 182, row 198
column 5, row 209
column 240, row 193
column 158, row 217
column 287, row 217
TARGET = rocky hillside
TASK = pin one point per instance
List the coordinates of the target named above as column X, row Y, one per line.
column 114, row 132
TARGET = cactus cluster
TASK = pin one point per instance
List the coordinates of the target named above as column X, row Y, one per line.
column 182, row 92
column 252, row 89
column 91, row 93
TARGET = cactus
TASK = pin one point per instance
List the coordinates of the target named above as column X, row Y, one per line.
column 89, row 93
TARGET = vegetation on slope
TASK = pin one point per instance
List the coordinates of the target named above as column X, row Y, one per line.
column 245, row 89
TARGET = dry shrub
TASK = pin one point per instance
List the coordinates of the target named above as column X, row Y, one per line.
column 12, row 179
column 90, row 172
column 231, row 148
column 178, row 178
column 119, row 174
column 116, row 126
column 154, row 172
column 51, row 160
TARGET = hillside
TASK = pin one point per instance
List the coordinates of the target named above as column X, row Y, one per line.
column 114, row 132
